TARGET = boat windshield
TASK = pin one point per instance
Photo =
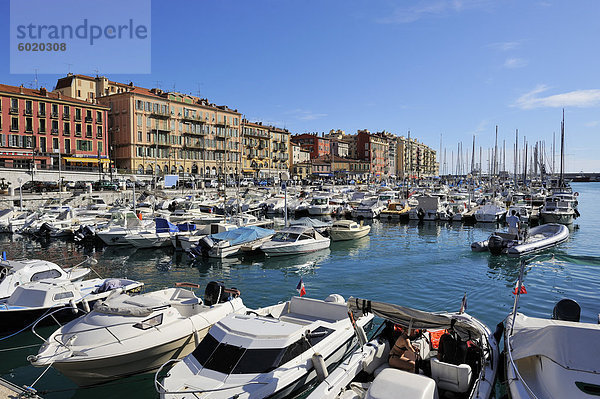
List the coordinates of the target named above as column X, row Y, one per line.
column 285, row 237
column 231, row 359
column 319, row 201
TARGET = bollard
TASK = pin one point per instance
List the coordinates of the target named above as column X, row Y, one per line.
column 89, row 187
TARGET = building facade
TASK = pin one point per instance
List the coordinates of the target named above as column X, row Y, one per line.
column 38, row 127
column 415, row 160
column 280, row 150
column 256, row 141
column 168, row 132
column 373, row 148
column 317, row 145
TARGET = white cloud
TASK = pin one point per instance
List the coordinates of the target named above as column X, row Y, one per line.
column 577, row 98
column 424, row 8
column 513, row 63
column 505, row 46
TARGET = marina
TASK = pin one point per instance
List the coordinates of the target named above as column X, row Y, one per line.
column 421, row 264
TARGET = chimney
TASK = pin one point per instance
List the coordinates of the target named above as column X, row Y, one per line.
column 21, row 89
column 43, row 91
column 58, row 94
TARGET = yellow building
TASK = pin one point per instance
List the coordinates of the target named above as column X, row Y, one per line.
column 414, row 159
column 256, row 157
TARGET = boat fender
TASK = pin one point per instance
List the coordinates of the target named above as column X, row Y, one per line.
column 73, row 306
column 86, row 305
column 196, row 338
column 320, row 367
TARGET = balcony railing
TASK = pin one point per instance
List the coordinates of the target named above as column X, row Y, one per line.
column 53, row 114
column 66, row 115
column 41, row 114
column 54, row 132
column 13, row 110
column 28, row 112
column 160, row 114
column 88, row 119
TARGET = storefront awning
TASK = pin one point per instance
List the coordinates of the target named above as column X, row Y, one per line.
column 85, row 160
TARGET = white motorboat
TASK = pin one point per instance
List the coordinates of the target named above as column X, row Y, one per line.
column 466, row 373
column 535, row 239
column 14, row 273
column 551, row 358
column 369, row 208
column 320, row 206
column 160, row 236
column 348, row 230
column 295, row 240
column 230, row 243
column 557, row 210
column 274, row 352
column 53, row 300
column 121, row 224
column 491, row 212
column 319, row 225
column 428, row 207
column 126, row 335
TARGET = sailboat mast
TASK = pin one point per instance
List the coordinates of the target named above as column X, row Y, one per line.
column 562, row 149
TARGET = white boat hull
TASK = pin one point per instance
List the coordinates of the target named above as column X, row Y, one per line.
column 343, row 235
column 296, row 248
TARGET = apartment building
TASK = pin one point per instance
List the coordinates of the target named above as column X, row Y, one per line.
column 415, row 160
column 317, row 145
column 38, row 127
column 373, row 148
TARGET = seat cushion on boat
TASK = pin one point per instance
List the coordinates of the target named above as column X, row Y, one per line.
column 451, row 377
column 394, row 383
column 313, row 309
column 378, row 357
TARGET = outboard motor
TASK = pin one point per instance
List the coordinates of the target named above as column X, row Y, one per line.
column 45, row 230
column 204, row 245
column 421, row 213
column 216, row 292
column 566, row 310
column 495, row 244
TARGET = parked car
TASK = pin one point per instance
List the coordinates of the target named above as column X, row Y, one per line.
column 69, row 185
column 80, row 185
column 102, row 185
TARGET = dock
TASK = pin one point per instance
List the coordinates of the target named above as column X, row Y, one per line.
column 9, row 390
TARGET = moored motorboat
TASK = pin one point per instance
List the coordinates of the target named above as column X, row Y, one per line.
column 273, row 352
column 52, row 300
column 125, row 335
column 14, row 273
column 535, row 239
column 551, row 358
column 230, row 243
column 464, row 366
column 295, row 240
column 348, row 230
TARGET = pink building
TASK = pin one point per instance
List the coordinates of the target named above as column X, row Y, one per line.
column 37, row 125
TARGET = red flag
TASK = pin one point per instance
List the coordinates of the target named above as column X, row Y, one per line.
column 300, row 288
column 523, row 289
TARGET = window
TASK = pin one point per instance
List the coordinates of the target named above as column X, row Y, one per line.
column 42, row 109
column 68, row 146
column 78, row 129
column 139, row 105
column 42, row 144
column 54, row 113
column 98, row 116
column 14, row 124
column 77, row 114
column 29, row 125
column 28, row 107
column 67, row 128
column 66, row 112
column 148, row 122
column 14, row 106
column 84, row 145
column 148, row 137
column 55, row 144
column 99, row 147
column 54, row 127
column 99, row 132
column 139, row 136
column 63, row 295
column 88, row 130
column 88, row 116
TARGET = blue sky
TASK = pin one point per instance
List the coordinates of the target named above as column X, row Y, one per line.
column 434, row 67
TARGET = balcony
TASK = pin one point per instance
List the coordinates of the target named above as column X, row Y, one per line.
column 28, row 112
column 13, row 110
column 66, row 115
column 41, row 114
column 159, row 114
column 189, row 117
column 88, row 119
column 54, row 132
column 54, row 115
column 77, row 134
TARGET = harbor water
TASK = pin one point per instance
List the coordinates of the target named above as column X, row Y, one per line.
column 426, row 265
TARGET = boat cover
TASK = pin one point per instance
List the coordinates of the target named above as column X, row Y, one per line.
column 572, row 345
column 125, row 305
column 306, row 221
column 164, row 226
column 242, row 235
column 416, row 319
